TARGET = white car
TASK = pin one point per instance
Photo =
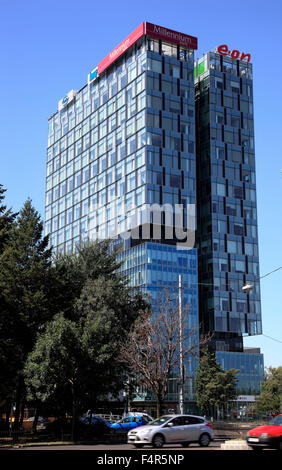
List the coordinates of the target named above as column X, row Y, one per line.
column 176, row 429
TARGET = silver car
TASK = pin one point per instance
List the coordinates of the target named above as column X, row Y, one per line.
column 181, row 429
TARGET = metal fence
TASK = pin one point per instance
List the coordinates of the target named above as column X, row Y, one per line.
column 18, row 437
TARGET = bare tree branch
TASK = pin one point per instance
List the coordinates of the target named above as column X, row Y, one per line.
column 152, row 352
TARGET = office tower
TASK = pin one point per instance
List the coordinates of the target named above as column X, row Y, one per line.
column 125, row 142
column 227, row 236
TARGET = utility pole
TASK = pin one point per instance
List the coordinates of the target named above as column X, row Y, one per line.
column 181, row 367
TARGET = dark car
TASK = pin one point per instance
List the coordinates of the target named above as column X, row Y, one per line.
column 59, row 426
column 98, row 425
column 97, row 428
column 269, row 435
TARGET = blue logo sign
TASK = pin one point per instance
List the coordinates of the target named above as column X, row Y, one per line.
column 93, row 75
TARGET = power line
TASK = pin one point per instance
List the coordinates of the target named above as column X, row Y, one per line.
column 261, row 277
column 277, row 269
column 212, row 284
column 266, row 336
column 274, row 339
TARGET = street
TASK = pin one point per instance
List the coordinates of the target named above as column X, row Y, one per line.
column 215, row 445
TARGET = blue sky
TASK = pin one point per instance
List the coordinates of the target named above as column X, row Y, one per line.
column 48, row 48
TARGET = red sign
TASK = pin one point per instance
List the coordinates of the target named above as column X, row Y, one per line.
column 150, row 30
column 169, row 35
column 121, row 48
column 223, row 50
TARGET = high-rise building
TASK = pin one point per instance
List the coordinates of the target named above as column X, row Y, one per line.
column 126, row 142
column 227, row 212
column 118, row 146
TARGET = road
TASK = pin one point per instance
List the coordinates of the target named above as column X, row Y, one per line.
column 215, row 445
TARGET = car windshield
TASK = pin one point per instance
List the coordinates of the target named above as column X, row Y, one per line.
column 277, row 421
column 159, row 421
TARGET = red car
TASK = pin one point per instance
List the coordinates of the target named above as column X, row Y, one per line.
column 269, row 435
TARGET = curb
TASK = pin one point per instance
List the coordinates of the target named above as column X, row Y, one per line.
column 235, row 445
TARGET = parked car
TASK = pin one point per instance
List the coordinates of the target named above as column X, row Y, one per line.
column 129, row 422
column 139, row 413
column 182, row 429
column 41, row 422
column 97, row 428
column 40, row 419
column 100, row 425
column 59, row 426
column 269, row 435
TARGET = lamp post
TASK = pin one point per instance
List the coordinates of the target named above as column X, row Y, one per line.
column 181, row 365
column 181, row 384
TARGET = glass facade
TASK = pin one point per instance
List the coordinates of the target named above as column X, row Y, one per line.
column 155, row 267
column 127, row 141
column 250, row 367
column 227, row 209
column 122, row 143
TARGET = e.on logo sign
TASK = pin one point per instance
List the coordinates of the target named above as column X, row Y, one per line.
column 224, row 50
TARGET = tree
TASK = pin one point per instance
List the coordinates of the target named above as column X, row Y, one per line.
column 77, row 357
column 54, row 363
column 152, row 352
column 90, row 261
column 7, row 218
column 270, row 399
column 214, row 386
column 24, row 274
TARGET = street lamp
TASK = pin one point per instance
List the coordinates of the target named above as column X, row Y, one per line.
column 247, row 288
column 181, row 365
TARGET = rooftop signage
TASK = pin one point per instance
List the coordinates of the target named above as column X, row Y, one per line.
column 224, row 50
column 121, row 48
column 66, row 100
column 148, row 29
column 169, row 35
column 93, row 75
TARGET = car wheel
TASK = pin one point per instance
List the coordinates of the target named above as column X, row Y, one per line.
column 257, row 448
column 158, row 441
column 185, row 444
column 204, row 440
